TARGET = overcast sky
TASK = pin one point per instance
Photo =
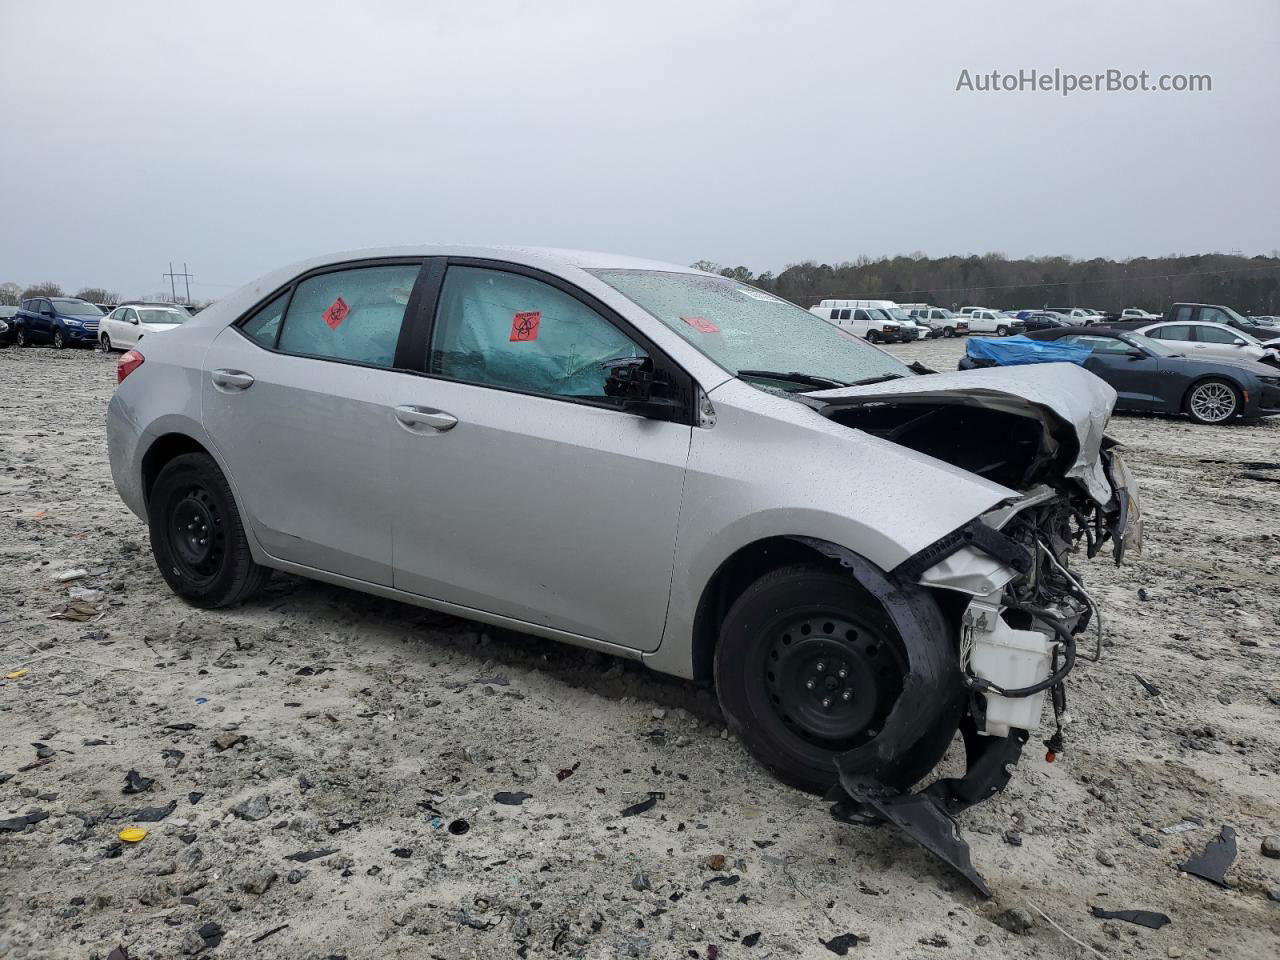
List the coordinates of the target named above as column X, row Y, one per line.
column 239, row 136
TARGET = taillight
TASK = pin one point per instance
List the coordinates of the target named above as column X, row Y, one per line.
column 128, row 363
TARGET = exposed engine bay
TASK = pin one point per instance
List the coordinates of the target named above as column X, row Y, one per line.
column 1028, row 617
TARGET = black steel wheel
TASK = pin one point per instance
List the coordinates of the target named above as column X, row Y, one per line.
column 197, row 536
column 809, row 666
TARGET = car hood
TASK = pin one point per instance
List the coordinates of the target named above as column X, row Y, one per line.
column 1072, row 404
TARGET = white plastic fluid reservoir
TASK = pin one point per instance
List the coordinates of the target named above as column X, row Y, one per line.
column 1011, row 659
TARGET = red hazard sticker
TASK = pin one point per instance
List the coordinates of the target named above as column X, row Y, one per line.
column 336, row 313
column 524, row 326
column 701, row 324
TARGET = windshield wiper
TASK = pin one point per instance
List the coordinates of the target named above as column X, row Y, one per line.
column 880, row 379
column 808, row 379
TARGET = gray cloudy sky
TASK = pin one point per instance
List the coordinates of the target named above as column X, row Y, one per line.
column 238, row 136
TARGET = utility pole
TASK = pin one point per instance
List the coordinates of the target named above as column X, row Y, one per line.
column 173, row 276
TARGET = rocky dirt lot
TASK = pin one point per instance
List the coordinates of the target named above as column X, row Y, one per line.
column 320, row 773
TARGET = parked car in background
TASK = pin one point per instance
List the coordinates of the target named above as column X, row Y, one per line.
column 6, row 324
column 1153, row 375
column 910, row 330
column 744, row 519
column 1136, row 313
column 984, row 320
column 1210, row 339
column 872, row 325
column 1040, row 320
column 941, row 321
column 1205, row 313
column 158, row 303
column 124, row 327
column 1082, row 316
column 61, row 321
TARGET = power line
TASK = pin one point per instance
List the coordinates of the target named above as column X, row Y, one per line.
column 172, row 276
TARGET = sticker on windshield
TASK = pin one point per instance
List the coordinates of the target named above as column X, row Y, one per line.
column 524, row 326
column 701, row 324
column 336, row 313
column 757, row 295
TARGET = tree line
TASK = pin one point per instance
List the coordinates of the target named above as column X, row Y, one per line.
column 1248, row 284
column 13, row 293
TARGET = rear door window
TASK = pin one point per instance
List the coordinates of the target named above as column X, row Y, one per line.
column 1182, row 314
column 353, row 315
column 514, row 332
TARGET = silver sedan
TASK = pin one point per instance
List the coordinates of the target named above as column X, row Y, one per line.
column 650, row 461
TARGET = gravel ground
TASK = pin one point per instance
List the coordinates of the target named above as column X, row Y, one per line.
column 316, row 719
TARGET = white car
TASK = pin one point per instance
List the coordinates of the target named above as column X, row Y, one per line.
column 123, row 327
column 1211, row 340
column 1134, row 313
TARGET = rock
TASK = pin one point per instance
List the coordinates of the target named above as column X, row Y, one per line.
column 1271, row 846
column 259, row 883
column 659, row 713
column 1013, row 838
column 225, row 741
column 1015, row 920
column 1105, row 858
column 255, row 808
column 716, row 861
column 1273, row 894
column 640, row 881
column 981, row 940
column 295, row 876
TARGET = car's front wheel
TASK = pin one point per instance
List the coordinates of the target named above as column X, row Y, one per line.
column 104, row 343
column 197, row 536
column 873, row 336
column 948, row 332
column 1213, row 401
column 1002, row 331
column 807, row 667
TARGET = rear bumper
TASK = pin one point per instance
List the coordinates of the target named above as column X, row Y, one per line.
column 124, row 440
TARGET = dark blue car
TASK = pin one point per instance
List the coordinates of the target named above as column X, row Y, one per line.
column 61, row 321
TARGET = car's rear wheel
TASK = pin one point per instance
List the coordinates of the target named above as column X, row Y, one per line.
column 59, row 342
column 1212, row 401
column 197, row 536
column 808, row 666
column 104, row 343
column 20, row 338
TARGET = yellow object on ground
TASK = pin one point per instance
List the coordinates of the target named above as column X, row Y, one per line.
column 132, row 834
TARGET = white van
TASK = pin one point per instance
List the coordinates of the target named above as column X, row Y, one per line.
column 894, row 312
column 871, row 324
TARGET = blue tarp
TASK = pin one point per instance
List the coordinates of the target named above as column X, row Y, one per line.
column 1015, row 351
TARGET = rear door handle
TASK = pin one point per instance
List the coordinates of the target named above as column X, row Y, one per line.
column 413, row 416
column 232, row 379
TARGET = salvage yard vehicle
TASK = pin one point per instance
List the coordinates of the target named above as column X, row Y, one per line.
column 1210, row 339
column 1153, row 376
column 60, row 321
column 942, row 321
column 982, row 320
column 871, row 324
column 657, row 463
column 6, row 324
column 124, row 326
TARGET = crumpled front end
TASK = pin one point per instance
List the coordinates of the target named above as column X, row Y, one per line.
column 1028, row 616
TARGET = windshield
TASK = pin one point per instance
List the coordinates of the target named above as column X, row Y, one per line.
column 77, row 308
column 1150, row 344
column 161, row 315
column 897, row 313
column 945, row 313
column 742, row 328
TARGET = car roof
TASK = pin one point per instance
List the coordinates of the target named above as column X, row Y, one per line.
column 529, row 256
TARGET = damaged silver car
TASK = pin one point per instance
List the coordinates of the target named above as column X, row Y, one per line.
column 865, row 557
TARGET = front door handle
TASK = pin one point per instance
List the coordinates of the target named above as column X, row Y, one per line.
column 413, row 416
column 232, row 379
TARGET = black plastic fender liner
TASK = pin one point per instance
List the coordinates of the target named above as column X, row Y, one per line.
column 933, row 692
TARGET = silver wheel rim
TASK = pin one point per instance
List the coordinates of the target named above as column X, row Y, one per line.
column 1213, row 402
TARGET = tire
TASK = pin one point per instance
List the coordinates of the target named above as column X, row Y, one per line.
column 104, row 343
column 948, row 332
column 59, row 342
column 1002, row 331
column 800, row 625
column 1212, row 401
column 20, row 338
column 873, row 336
column 216, row 570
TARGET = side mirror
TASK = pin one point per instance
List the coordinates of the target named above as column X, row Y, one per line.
column 1135, row 354
column 631, row 379
column 134, row 321
column 1237, row 343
